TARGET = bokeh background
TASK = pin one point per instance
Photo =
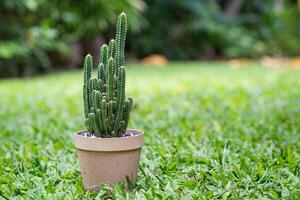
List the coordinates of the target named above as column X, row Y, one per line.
column 39, row 36
column 215, row 86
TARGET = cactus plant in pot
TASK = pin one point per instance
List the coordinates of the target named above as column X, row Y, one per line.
column 108, row 152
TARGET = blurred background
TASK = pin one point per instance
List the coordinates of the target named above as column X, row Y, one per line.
column 39, row 36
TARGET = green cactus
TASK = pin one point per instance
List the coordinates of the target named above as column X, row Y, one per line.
column 87, row 76
column 111, row 49
column 106, row 111
column 120, row 40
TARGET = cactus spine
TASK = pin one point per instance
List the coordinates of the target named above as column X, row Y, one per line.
column 106, row 111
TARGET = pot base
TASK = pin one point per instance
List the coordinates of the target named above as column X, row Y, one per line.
column 107, row 167
column 108, row 160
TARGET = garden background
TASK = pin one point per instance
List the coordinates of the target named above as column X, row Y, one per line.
column 216, row 89
column 38, row 36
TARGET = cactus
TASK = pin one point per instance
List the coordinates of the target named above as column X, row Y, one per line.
column 106, row 110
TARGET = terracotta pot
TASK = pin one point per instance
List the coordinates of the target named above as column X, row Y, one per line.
column 108, row 160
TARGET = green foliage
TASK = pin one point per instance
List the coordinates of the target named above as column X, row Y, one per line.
column 274, row 22
column 212, row 132
column 38, row 35
column 106, row 110
column 199, row 27
column 204, row 29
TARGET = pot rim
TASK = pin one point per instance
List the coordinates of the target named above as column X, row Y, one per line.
column 110, row 144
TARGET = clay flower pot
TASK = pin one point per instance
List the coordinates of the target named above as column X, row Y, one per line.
column 108, row 160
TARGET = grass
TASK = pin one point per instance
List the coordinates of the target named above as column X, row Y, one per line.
column 211, row 132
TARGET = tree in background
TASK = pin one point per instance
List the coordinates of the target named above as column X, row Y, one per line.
column 39, row 34
column 194, row 29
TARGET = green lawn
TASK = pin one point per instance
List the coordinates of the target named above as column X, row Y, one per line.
column 210, row 132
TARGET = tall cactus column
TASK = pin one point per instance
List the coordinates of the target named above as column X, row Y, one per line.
column 106, row 111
